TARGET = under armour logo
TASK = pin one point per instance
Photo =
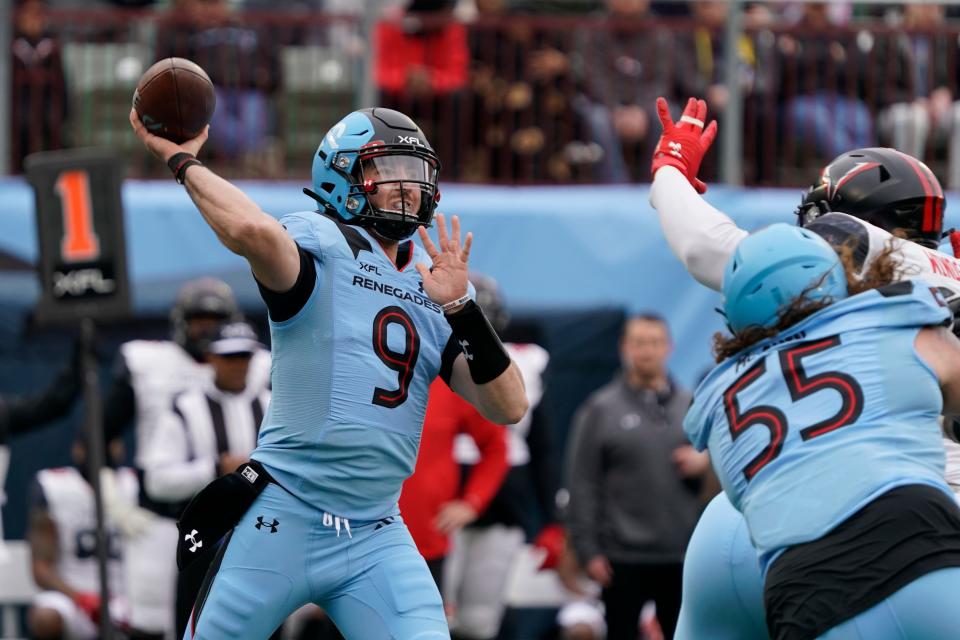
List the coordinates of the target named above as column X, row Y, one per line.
column 463, row 347
column 273, row 525
column 675, row 149
column 193, row 540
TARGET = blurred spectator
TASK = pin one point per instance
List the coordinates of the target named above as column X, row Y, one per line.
column 928, row 106
column 148, row 374
column 39, row 101
column 522, row 102
column 207, row 432
column 634, row 483
column 422, row 62
column 421, row 53
column 486, row 550
column 63, row 538
column 435, row 503
column 621, row 68
column 702, row 73
column 243, row 63
column 822, row 80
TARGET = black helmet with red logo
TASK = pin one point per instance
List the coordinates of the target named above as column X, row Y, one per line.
column 884, row 187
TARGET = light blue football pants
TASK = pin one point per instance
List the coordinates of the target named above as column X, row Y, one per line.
column 283, row 554
column 723, row 592
column 925, row 609
column 722, row 585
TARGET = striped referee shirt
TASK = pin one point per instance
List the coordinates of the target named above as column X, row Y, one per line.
column 183, row 456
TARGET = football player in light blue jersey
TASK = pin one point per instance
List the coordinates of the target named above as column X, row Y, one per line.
column 878, row 190
column 822, row 423
column 362, row 321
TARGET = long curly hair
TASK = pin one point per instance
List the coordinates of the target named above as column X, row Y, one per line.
column 886, row 268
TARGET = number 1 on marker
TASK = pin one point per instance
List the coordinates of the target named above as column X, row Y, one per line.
column 79, row 240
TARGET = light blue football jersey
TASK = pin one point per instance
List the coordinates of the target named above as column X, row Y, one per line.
column 351, row 373
column 808, row 426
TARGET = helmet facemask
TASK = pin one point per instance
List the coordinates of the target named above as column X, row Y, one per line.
column 394, row 190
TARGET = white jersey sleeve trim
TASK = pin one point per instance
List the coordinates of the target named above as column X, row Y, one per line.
column 701, row 236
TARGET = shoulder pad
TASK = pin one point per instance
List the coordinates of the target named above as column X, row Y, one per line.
column 316, row 233
column 139, row 354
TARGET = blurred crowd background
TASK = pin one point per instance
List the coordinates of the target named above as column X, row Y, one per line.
column 510, row 91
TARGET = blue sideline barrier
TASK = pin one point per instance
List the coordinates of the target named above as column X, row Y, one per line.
column 549, row 247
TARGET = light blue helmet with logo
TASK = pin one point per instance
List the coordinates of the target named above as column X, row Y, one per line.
column 771, row 268
column 377, row 151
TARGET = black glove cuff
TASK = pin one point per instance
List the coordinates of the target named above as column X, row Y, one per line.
column 179, row 162
column 485, row 354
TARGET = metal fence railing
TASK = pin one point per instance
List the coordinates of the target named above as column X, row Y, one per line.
column 518, row 99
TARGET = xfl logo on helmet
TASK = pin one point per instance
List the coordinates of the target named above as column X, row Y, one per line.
column 409, row 140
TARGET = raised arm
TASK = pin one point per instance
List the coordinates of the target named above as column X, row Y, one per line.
column 702, row 237
column 483, row 373
column 238, row 222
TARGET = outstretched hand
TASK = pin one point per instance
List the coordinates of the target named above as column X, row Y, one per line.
column 447, row 280
column 684, row 144
column 161, row 147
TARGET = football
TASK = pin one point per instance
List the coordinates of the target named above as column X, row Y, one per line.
column 175, row 99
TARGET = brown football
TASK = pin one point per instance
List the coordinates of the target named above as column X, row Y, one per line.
column 175, row 99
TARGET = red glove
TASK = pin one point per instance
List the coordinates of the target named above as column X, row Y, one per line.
column 955, row 243
column 89, row 603
column 683, row 145
column 551, row 539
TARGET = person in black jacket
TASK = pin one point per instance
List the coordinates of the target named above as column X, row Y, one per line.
column 21, row 413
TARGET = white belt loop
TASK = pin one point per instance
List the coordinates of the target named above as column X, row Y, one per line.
column 330, row 520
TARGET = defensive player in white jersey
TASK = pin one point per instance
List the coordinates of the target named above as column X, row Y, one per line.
column 871, row 187
column 147, row 376
column 485, row 551
column 62, row 538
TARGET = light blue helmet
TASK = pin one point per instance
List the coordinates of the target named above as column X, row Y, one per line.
column 772, row 267
column 370, row 150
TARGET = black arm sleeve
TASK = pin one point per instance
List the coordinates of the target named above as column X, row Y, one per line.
column 283, row 306
column 120, row 407
column 21, row 413
column 450, row 353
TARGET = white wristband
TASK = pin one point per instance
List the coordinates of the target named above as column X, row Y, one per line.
column 453, row 304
